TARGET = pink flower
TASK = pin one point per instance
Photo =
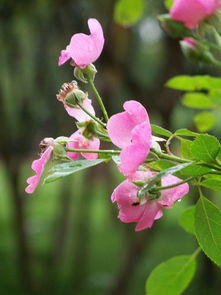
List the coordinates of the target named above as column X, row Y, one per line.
column 80, row 142
column 192, row 12
column 84, row 49
column 38, row 166
column 131, row 131
column 145, row 212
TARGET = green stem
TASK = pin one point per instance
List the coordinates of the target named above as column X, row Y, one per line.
column 180, row 160
column 99, row 99
column 169, row 157
column 92, row 116
column 113, row 152
column 160, row 188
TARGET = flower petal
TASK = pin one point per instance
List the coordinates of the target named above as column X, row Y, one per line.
column 135, row 154
column 192, row 12
column 170, row 196
column 38, row 166
column 151, row 213
column 78, row 113
column 85, row 49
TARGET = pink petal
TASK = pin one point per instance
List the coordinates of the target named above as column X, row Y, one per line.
column 131, row 213
column 192, row 12
column 78, row 113
column 80, row 142
column 85, row 49
column 125, row 194
column 38, row 166
column 93, row 144
column 135, row 154
column 74, row 145
column 152, row 212
column 64, row 56
column 120, row 126
column 136, row 111
column 131, row 158
column 170, row 196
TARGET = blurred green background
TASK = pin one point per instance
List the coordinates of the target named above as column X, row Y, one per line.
column 66, row 238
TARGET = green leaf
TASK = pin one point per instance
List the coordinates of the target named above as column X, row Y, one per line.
column 160, row 131
column 65, row 169
column 128, row 12
column 213, row 184
column 168, row 4
column 187, row 220
column 197, row 100
column 218, row 157
column 205, row 147
column 185, row 132
column 172, row 276
column 208, row 229
column 204, row 121
column 195, row 170
column 160, row 165
column 186, row 149
column 193, row 83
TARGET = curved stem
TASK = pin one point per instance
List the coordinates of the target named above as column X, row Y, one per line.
column 99, row 99
column 90, row 115
column 113, row 152
column 169, row 157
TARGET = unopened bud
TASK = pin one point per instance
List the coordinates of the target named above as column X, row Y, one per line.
column 86, row 74
column 173, row 28
column 75, row 97
column 196, row 52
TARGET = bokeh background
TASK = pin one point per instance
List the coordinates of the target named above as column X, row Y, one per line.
column 66, row 238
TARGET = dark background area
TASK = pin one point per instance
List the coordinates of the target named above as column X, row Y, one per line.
column 66, row 238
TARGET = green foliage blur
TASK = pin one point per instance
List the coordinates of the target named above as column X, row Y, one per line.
column 66, row 238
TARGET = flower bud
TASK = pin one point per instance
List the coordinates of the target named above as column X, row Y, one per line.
column 74, row 97
column 86, row 74
column 89, row 128
column 59, row 152
column 196, row 52
column 173, row 28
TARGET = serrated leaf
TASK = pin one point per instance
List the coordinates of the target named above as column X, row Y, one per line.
column 208, row 229
column 204, row 121
column 205, row 147
column 128, row 12
column 187, row 220
column 172, row 276
column 194, row 83
column 65, row 169
column 197, row 100
column 160, row 131
column 185, row 132
column 213, row 184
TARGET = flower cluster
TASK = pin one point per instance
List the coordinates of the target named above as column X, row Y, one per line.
column 129, row 130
